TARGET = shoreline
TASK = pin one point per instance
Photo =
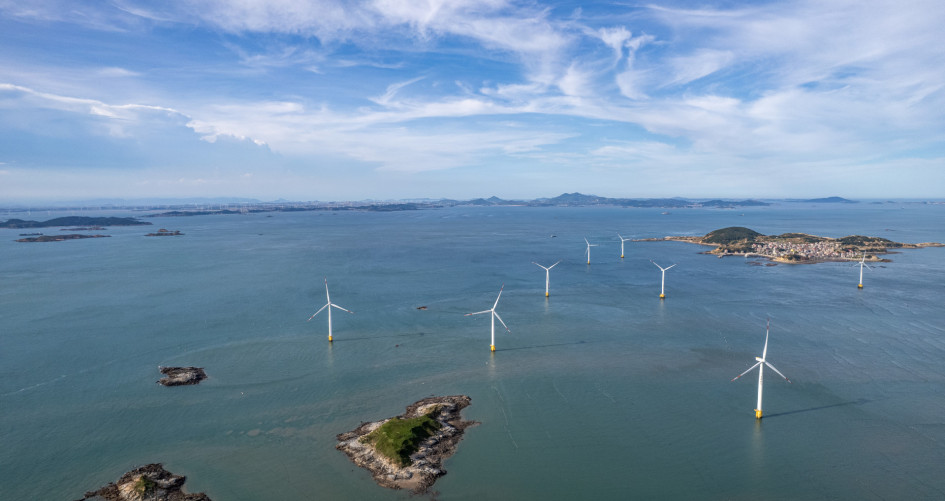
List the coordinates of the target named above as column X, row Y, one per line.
column 427, row 462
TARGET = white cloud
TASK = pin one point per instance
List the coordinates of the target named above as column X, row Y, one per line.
column 392, row 90
column 615, row 38
column 702, row 63
column 114, row 72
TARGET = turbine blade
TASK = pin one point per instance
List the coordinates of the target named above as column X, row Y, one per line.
column 764, row 352
column 501, row 322
column 779, row 372
column 746, row 372
column 340, row 308
column 477, row 313
column 497, row 297
column 556, row 264
column 671, row 266
column 317, row 312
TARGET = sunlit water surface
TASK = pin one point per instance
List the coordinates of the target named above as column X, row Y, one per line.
column 601, row 391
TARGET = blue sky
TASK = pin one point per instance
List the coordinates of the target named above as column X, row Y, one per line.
column 390, row 99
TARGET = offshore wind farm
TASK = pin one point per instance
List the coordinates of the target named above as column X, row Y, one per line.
column 601, row 392
column 410, row 153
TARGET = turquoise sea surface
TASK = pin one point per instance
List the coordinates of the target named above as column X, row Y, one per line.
column 601, row 391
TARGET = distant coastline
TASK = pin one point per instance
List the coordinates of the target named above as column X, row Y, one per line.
column 208, row 207
column 81, row 222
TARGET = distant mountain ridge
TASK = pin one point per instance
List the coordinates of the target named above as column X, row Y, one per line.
column 579, row 199
column 828, row 200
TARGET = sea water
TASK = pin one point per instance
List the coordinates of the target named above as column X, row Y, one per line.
column 600, row 391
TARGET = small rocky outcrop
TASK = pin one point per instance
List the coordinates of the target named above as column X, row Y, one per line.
column 147, row 483
column 164, row 233
column 177, row 376
column 426, row 464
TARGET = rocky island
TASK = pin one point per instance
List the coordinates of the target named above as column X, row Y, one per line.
column 795, row 247
column 164, row 233
column 59, row 238
column 179, row 376
column 407, row 451
column 147, row 483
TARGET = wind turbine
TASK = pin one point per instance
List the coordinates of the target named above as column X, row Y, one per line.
column 622, row 240
column 547, row 274
column 588, row 251
column 328, row 305
column 494, row 316
column 862, row 264
column 663, row 281
column 761, row 371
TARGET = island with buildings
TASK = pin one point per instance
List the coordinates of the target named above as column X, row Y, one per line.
column 407, row 451
column 795, row 247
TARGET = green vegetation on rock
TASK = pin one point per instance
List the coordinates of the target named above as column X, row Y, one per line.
column 398, row 438
column 144, row 486
column 731, row 234
column 861, row 241
column 801, row 237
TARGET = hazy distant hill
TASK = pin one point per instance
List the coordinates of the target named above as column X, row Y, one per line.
column 579, row 199
column 73, row 221
column 829, row 200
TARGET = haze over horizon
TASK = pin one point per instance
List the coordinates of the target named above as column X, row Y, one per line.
column 388, row 99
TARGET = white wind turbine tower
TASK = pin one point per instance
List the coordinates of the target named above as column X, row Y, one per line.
column 328, row 305
column 663, row 280
column 761, row 370
column 494, row 316
column 862, row 264
column 547, row 274
column 622, row 240
column 588, row 251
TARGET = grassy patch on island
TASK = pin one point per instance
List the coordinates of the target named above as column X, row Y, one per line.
column 398, row 438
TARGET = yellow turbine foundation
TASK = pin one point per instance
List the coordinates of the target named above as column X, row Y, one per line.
column 546, row 294
column 662, row 296
column 329, row 338
column 859, row 286
column 757, row 413
column 492, row 347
